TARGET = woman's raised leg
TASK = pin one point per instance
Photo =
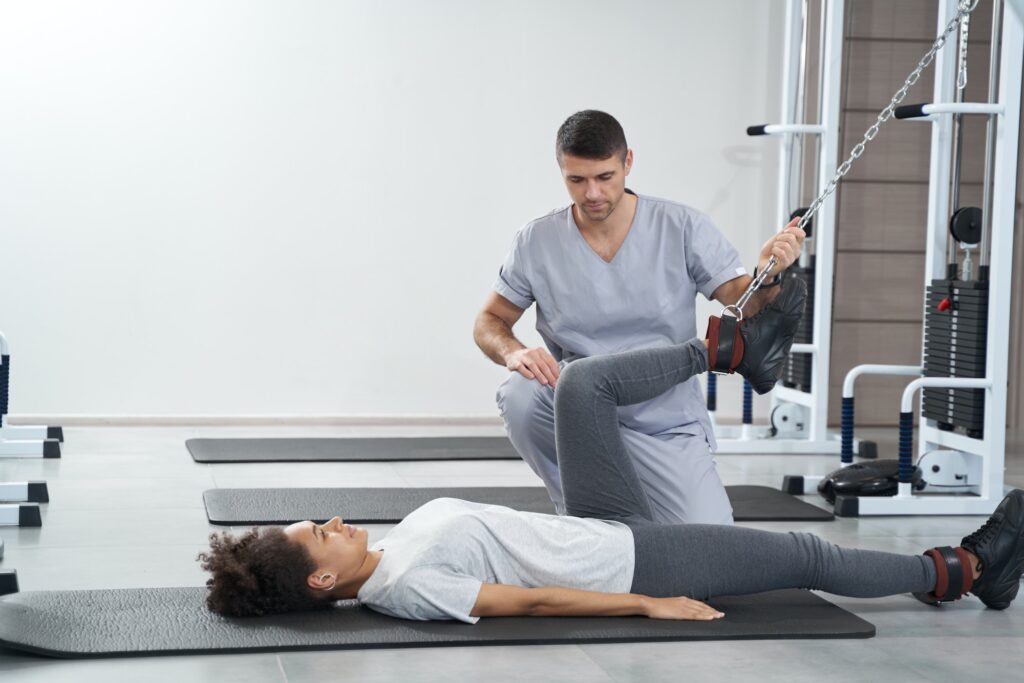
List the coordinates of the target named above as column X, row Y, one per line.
column 598, row 476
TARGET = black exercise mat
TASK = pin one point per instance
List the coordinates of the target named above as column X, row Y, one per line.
column 767, row 504
column 386, row 505
column 355, row 449
column 174, row 621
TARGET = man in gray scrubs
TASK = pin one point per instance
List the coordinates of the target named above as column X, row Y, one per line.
column 611, row 272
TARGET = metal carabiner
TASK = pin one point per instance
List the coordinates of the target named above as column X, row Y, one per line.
column 733, row 307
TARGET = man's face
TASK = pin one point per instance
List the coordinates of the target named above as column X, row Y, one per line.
column 596, row 185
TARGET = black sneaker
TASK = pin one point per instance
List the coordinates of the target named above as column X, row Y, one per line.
column 768, row 336
column 999, row 544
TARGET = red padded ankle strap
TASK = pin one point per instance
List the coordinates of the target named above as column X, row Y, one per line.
column 725, row 345
column 965, row 562
column 952, row 572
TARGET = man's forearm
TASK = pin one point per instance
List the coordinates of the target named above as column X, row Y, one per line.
column 495, row 338
column 730, row 292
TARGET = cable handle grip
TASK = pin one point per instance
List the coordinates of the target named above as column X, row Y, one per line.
column 910, row 111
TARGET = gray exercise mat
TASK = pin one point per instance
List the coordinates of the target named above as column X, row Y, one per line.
column 387, row 505
column 354, row 449
column 174, row 621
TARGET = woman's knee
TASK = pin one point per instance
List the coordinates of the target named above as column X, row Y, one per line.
column 581, row 377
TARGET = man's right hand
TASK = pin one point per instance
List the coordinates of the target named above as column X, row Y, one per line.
column 536, row 363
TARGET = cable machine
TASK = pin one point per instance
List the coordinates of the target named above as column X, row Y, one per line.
column 799, row 407
column 965, row 342
column 20, row 500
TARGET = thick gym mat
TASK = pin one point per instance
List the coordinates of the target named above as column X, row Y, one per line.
column 175, row 621
column 384, row 505
column 355, row 449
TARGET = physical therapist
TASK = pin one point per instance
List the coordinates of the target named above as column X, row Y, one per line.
column 616, row 271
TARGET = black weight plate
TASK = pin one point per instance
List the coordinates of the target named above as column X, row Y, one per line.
column 959, row 284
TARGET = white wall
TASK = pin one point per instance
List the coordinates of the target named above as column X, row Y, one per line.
column 296, row 208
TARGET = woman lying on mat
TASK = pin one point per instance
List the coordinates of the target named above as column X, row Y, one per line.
column 452, row 559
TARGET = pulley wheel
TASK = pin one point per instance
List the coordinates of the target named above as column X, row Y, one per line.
column 965, row 225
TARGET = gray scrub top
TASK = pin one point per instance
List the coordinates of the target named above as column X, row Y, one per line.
column 644, row 298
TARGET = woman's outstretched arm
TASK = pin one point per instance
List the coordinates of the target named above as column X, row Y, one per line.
column 499, row 600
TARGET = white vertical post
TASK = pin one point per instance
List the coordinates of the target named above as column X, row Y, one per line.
column 939, row 176
column 939, row 171
column 1004, row 188
column 792, row 39
column 825, row 220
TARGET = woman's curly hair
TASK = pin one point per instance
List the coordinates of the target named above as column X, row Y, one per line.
column 260, row 572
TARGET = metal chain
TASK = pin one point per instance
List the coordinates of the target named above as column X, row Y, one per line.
column 964, row 9
column 961, row 70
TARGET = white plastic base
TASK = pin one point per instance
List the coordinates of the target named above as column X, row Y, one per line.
column 14, row 491
column 758, row 440
column 21, row 448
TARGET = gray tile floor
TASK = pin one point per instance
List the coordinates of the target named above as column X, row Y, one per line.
column 126, row 511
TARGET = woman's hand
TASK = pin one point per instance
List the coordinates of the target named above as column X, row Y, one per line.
column 680, row 608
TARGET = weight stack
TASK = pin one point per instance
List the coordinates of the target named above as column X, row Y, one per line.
column 956, row 331
column 796, row 373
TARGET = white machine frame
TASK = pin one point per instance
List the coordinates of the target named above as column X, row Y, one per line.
column 24, row 441
column 811, row 406
column 979, row 462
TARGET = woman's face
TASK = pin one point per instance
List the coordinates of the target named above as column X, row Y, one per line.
column 338, row 550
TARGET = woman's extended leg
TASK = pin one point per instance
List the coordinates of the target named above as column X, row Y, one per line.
column 597, row 473
column 702, row 561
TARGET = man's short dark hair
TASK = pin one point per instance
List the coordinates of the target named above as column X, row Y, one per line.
column 591, row 134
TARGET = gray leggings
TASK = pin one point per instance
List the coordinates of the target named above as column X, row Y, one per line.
column 695, row 560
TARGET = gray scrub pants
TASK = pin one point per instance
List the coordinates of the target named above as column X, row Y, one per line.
column 677, row 471
column 599, row 480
